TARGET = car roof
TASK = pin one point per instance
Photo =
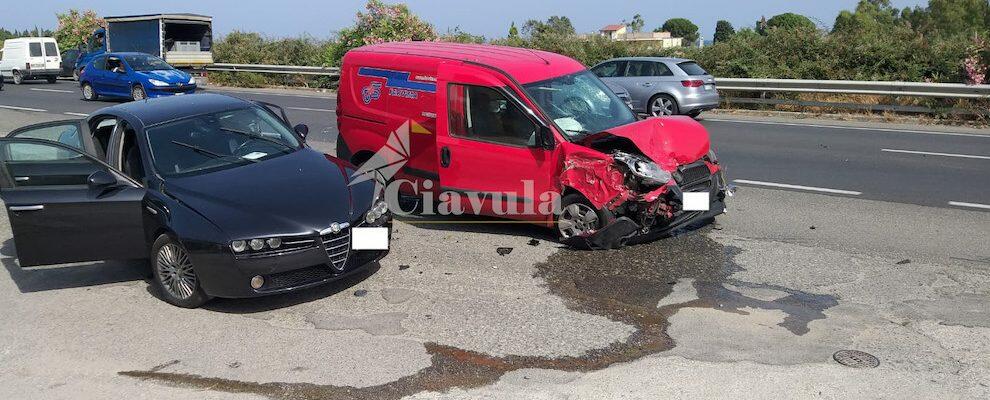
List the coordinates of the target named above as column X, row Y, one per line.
column 667, row 59
column 156, row 111
column 525, row 65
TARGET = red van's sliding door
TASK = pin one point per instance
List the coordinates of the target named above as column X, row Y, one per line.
column 489, row 156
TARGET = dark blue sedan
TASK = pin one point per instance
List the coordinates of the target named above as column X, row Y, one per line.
column 221, row 195
column 135, row 76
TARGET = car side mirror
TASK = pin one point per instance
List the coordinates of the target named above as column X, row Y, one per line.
column 302, row 130
column 101, row 180
column 544, row 138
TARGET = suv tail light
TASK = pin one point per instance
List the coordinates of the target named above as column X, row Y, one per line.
column 693, row 83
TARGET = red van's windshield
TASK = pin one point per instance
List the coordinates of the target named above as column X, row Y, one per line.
column 580, row 104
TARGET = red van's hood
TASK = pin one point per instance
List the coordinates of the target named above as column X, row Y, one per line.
column 669, row 141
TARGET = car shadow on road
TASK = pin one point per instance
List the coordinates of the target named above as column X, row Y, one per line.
column 30, row 280
column 279, row 301
column 480, row 224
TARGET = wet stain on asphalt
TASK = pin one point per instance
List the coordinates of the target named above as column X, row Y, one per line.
column 623, row 285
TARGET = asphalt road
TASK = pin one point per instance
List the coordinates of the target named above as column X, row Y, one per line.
column 929, row 166
column 753, row 308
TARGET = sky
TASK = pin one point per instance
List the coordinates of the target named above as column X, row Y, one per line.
column 491, row 18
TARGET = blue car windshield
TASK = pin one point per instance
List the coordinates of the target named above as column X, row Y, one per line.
column 218, row 141
column 144, row 62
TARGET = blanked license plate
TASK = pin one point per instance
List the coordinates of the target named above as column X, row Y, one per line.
column 369, row 238
column 697, row 201
column 709, row 87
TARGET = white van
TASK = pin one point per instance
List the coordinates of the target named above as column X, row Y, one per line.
column 30, row 58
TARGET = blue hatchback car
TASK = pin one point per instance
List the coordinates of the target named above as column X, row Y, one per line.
column 135, row 76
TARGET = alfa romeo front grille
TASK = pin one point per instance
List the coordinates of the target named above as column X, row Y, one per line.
column 338, row 245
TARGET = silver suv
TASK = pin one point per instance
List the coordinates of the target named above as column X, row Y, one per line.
column 662, row 86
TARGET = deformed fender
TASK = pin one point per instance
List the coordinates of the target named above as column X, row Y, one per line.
column 595, row 176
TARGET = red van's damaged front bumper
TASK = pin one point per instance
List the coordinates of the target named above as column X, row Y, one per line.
column 660, row 212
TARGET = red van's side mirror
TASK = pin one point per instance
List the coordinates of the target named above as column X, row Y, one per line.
column 545, row 138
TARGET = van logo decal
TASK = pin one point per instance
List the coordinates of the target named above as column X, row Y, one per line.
column 371, row 92
column 398, row 80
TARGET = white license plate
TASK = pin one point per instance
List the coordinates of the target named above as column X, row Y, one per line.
column 697, row 201
column 369, row 238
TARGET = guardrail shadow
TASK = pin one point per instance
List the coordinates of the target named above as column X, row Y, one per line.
column 41, row 279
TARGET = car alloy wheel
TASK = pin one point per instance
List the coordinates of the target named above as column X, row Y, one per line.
column 577, row 219
column 662, row 106
column 175, row 272
column 18, row 79
column 137, row 93
column 88, row 93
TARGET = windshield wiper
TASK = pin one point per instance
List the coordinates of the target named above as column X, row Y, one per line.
column 206, row 152
column 257, row 136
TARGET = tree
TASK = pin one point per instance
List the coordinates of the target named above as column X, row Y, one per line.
column 457, row 35
column 381, row 23
column 75, row 27
column 553, row 26
column 786, row 21
column 637, row 23
column 869, row 16
column 681, row 27
column 954, row 17
column 513, row 31
column 724, row 31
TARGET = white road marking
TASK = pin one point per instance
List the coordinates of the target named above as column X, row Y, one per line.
column 927, row 153
column 970, row 205
column 52, row 90
column 23, row 108
column 76, row 114
column 855, row 128
column 310, row 109
column 798, row 187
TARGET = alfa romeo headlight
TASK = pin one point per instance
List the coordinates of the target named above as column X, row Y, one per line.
column 376, row 212
column 157, row 82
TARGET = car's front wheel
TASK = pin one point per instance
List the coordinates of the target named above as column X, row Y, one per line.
column 18, row 78
column 663, row 105
column 137, row 93
column 173, row 274
column 579, row 218
column 88, row 93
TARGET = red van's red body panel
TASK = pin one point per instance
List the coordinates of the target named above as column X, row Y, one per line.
column 395, row 86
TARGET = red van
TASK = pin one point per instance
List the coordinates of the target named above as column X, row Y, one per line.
column 501, row 131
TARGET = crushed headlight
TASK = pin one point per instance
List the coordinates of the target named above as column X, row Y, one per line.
column 376, row 212
column 648, row 171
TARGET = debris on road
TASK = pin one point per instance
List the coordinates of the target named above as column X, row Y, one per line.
column 856, row 359
column 904, row 262
column 360, row 293
column 503, row 251
column 403, row 267
column 534, row 242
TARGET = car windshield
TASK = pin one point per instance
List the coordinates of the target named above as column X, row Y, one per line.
column 143, row 62
column 580, row 104
column 213, row 142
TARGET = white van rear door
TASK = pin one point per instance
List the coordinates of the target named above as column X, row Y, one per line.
column 36, row 54
column 53, row 60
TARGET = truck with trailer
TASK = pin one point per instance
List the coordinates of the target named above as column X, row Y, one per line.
column 183, row 40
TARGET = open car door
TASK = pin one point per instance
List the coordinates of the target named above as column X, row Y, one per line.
column 65, row 206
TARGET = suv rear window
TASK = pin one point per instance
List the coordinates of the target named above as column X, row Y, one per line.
column 50, row 49
column 692, row 68
column 35, row 49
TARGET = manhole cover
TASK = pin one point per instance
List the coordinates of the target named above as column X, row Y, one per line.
column 856, row 359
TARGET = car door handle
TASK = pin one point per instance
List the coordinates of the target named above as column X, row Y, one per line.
column 445, row 157
column 647, row 84
column 22, row 178
column 27, row 208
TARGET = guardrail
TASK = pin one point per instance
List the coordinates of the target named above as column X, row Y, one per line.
column 912, row 89
column 276, row 69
